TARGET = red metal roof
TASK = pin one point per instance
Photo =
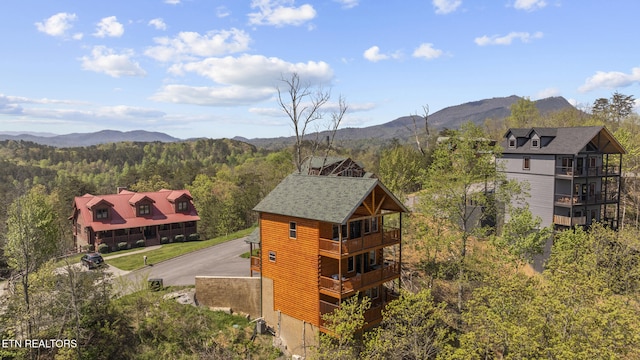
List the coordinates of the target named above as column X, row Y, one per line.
column 123, row 214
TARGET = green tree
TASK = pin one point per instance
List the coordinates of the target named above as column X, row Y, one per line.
column 343, row 324
column 401, row 169
column 522, row 235
column 455, row 187
column 413, row 327
column 524, row 114
column 32, row 239
column 615, row 109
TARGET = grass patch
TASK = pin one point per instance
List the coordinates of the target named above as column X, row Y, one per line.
column 168, row 251
column 256, row 252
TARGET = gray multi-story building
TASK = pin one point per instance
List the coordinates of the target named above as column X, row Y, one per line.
column 573, row 173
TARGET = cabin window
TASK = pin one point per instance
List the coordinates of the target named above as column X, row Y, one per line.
column 182, row 206
column 372, row 257
column 336, row 232
column 355, row 230
column 351, row 264
column 293, row 230
column 144, row 209
column 272, row 256
column 374, row 225
column 102, row 213
column 526, row 163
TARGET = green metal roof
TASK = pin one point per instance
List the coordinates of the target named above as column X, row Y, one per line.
column 325, row 198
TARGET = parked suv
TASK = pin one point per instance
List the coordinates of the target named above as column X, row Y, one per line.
column 92, row 260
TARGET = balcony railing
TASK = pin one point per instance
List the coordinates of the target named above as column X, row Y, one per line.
column 597, row 198
column 569, row 221
column 256, row 261
column 371, row 316
column 610, row 170
column 369, row 241
column 352, row 284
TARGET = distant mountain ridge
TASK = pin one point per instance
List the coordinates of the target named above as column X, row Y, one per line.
column 88, row 139
column 451, row 117
column 401, row 128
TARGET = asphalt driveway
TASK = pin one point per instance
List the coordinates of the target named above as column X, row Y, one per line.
column 219, row 260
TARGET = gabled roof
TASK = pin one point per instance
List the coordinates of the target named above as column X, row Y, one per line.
column 123, row 215
column 317, row 162
column 564, row 141
column 97, row 200
column 136, row 198
column 325, row 198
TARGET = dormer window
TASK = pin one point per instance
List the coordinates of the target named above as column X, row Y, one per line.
column 535, row 143
column 144, row 209
column 512, row 143
column 102, row 213
column 182, row 206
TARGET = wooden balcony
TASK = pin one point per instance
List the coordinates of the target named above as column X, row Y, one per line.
column 332, row 248
column 588, row 171
column 574, row 200
column 371, row 317
column 256, row 262
column 569, row 221
column 350, row 285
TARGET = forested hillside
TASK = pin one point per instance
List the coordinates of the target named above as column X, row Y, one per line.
column 467, row 293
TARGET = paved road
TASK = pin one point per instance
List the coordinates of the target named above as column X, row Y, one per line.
column 219, row 260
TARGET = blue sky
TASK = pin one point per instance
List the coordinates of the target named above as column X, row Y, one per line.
column 210, row 68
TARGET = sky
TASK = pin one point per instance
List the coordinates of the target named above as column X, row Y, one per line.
column 212, row 68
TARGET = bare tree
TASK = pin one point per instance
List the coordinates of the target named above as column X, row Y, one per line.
column 336, row 119
column 303, row 105
column 425, row 116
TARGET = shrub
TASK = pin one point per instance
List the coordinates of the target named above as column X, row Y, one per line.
column 88, row 248
column 194, row 237
column 140, row 243
column 179, row 238
column 103, row 248
column 164, row 240
column 123, row 246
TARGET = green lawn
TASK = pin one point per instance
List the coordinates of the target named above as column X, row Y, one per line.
column 167, row 251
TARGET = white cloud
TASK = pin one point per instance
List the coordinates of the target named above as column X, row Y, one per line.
column 243, row 80
column 109, row 27
column 446, row 6
column 187, row 45
column 172, row 2
column 427, row 51
column 158, row 23
column 128, row 112
column 529, row 5
column 546, row 93
column 373, row 54
column 255, row 70
column 280, row 13
column 525, row 37
column 105, row 60
column 57, row 25
column 610, row 80
column 222, row 12
column 348, row 4
column 212, row 96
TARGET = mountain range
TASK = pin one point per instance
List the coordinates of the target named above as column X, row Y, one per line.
column 401, row 128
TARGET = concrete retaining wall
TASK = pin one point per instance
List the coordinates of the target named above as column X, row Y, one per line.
column 240, row 294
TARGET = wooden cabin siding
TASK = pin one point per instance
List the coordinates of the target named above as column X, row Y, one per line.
column 295, row 271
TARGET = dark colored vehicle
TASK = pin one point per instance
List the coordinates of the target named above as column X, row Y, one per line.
column 92, row 260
